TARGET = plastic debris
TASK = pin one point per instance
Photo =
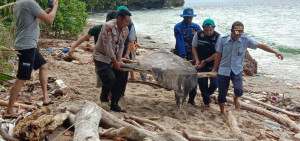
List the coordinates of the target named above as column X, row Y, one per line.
column 61, row 84
column 65, row 50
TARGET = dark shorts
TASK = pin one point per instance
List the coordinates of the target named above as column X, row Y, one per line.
column 223, row 84
column 29, row 59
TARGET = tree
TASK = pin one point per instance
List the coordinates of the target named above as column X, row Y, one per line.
column 70, row 18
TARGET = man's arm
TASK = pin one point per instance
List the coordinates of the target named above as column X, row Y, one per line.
column 48, row 15
column 218, row 56
column 179, row 41
column 268, row 49
column 78, row 42
column 131, row 39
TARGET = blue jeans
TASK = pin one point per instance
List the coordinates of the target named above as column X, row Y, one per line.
column 223, row 81
column 207, row 91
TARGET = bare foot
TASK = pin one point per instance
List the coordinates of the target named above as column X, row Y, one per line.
column 237, row 104
column 208, row 106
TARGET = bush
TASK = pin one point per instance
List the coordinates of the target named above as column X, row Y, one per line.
column 70, row 18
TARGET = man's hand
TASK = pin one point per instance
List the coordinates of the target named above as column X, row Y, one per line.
column 279, row 55
column 117, row 65
column 202, row 64
column 55, row 3
column 48, row 10
column 71, row 51
column 127, row 58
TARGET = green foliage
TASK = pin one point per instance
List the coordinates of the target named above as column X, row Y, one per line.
column 6, row 12
column 6, row 43
column 70, row 18
column 104, row 4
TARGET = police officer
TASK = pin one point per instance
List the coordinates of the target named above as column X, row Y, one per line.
column 108, row 57
column 229, row 58
column 184, row 33
column 204, row 52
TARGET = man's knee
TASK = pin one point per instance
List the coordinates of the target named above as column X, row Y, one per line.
column 44, row 67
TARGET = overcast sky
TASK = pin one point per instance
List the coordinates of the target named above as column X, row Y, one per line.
column 191, row 1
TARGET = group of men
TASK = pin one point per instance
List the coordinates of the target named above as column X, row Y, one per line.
column 113, row 41
column 211, row 52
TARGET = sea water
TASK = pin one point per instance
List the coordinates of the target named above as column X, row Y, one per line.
column 275, row 23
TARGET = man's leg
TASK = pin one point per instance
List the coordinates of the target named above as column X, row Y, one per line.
column 117, row 91
column 40, row 63
column 44, row 80
column 107, row 77
column 237, row 81
column 203, row 85
column 223, row 84
column 13, row 95
column 25, row 65
column 192, row 96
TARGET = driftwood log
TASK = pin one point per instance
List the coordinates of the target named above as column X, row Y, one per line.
column 17, row 105
column 232, row 123
column 38, row 124
column 139, row 133
column 269, row 106
column 201, row 138
column 87, row 123
column 280, row 119
column 135, row 133
column 5, row 135
column 141, row 120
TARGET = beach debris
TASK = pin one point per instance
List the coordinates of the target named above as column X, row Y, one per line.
column 65, row 50
column 202, row 138
column 170, row 71
column 232, row 123
column 38, row 124
column 17, row 105
column 2, row 88
column 278, row 118
column 61, row 84
column 87, row 122
column 276, row 128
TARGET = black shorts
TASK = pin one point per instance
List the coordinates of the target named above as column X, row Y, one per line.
column 29, row 59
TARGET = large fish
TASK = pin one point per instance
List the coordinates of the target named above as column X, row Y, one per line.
column 170, row 71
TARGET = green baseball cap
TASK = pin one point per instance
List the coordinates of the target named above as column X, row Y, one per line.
column 122, row 7
column 208, row 23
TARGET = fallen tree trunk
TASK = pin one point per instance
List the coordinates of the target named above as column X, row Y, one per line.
column 201, row 138
column 232, row 123
column 270, row 106
column 17, row 105
column 280, row 119
column 87, row 123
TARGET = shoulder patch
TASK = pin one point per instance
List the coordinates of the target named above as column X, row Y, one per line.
column 108, row 31
column 124, row 32
column 202, row 35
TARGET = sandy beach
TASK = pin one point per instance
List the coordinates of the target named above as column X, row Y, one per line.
column 142, row 100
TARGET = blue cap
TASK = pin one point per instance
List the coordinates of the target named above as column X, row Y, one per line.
column 122, row 7
column 188, row 12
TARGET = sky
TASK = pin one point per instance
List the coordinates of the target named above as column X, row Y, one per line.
column 192, row 1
